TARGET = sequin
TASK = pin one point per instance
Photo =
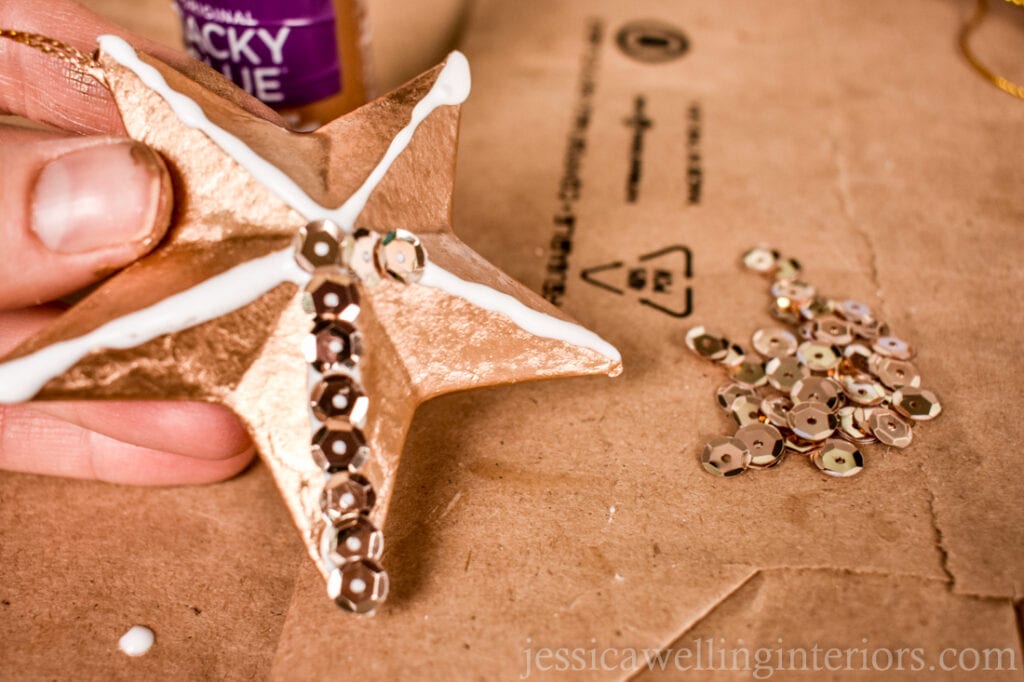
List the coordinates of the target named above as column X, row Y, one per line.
column 812, row 421
column 839, row 458
column 773, row 342
column 916, row 403
column 725, row 456
column 765, row 444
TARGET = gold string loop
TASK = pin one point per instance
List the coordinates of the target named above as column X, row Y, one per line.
column 1004, row 84
column 55, row 48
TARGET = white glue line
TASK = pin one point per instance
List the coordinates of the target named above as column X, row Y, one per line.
column 451, row 87
column 528, row 319
column 192, row 115
column 22, row 378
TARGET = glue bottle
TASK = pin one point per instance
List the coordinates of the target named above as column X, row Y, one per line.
column 304, row 58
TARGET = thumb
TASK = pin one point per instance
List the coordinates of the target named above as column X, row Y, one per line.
column 74, row 210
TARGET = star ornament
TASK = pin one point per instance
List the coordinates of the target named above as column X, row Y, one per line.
column 311, row 283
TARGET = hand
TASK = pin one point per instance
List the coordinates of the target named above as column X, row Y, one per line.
column 76, row 204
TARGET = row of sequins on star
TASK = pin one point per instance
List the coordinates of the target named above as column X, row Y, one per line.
column 340, row 266
column 834, row 380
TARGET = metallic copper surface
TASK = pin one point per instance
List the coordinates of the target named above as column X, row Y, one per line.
column 419, row 342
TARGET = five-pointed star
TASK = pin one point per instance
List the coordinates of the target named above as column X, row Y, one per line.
column 420, row 341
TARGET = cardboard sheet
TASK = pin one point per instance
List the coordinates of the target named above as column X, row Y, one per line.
column 574, row 514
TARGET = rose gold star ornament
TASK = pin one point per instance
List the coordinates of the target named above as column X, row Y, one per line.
column 312, row 283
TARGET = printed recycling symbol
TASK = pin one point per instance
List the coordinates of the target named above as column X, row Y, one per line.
column 659, row 279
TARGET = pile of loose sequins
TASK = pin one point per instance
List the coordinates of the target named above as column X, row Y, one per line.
column 339, row 266
column 830, row 382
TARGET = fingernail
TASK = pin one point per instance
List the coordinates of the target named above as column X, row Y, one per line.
column 98, row 197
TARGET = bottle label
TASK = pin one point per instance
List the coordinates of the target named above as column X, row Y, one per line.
column 283, row 53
